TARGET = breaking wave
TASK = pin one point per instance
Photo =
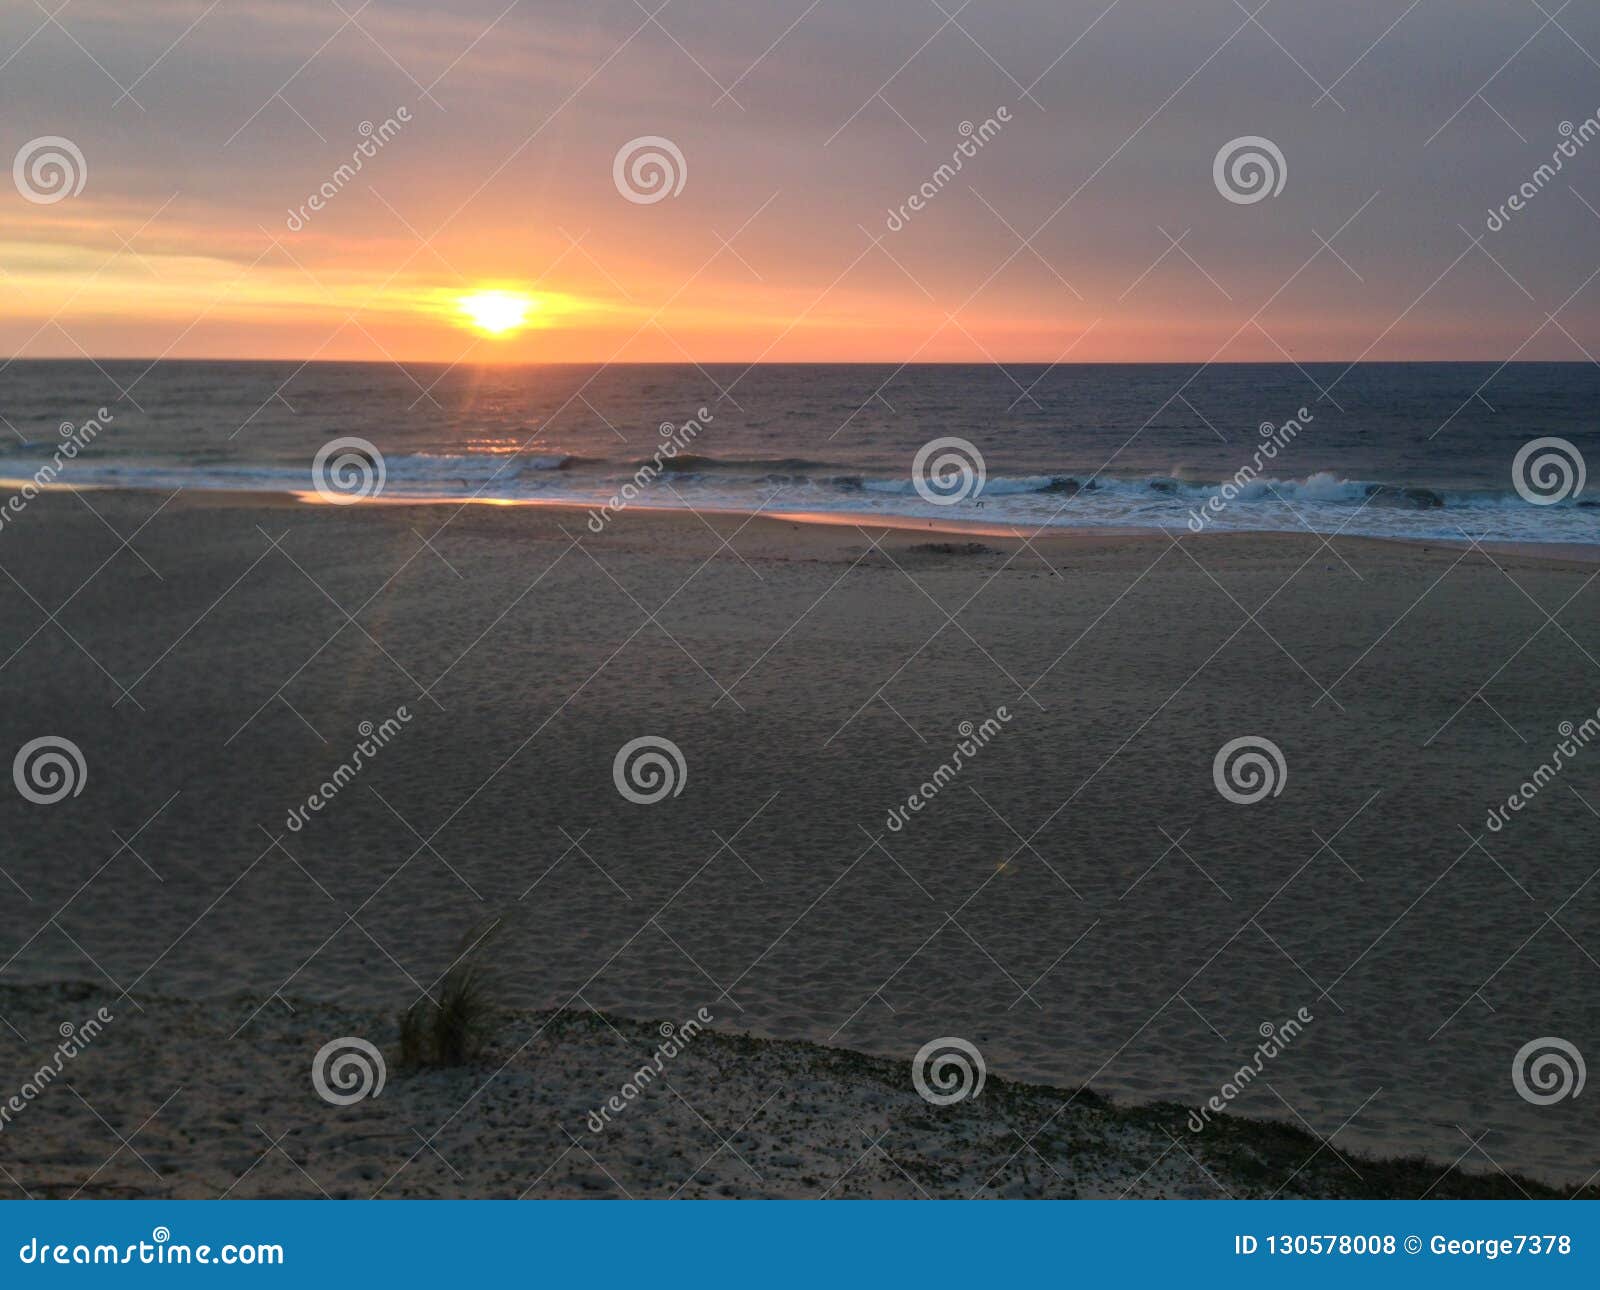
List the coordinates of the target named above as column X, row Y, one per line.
column 1325, row 501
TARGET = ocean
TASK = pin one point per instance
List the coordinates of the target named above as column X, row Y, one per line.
column 1422, row 451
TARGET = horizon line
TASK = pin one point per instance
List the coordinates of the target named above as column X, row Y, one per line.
column 1348, row 364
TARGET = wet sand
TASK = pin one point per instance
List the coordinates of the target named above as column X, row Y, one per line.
column 1079, row 902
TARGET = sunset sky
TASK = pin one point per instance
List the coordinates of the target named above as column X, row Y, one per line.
column 205, row 126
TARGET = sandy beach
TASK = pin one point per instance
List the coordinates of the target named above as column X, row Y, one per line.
column 731, row 1116
column 1079, row 902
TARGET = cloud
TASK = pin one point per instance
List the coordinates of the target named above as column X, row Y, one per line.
column 803, row 128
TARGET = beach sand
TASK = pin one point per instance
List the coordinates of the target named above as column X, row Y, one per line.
column 726, row 1116
column 1079, row 902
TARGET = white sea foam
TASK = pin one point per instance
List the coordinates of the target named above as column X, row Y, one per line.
column 1324, row 501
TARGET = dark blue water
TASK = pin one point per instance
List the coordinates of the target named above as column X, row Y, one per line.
column 1420, row 450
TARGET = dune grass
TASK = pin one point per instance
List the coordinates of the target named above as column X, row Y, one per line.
column 452, row 1027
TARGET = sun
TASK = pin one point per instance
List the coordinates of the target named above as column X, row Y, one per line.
column 496, row 313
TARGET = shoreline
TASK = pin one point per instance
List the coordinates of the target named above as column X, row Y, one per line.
column 516, row 1123
column 1078, row 538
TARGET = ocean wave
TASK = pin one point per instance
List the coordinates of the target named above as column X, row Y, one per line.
column 456, row 463
column 1324, row 501
column 1325, row 486
column 699, row 463
column 419, row 472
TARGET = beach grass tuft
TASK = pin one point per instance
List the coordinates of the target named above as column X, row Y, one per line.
column 453, row 1027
